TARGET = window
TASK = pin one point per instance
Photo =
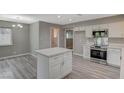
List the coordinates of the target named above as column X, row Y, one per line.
column 5, row 36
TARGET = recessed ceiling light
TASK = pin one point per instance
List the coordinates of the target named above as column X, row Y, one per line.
column 13, row 25
column 59, row 16
column 18, row 17
column 70, row 19
column 19, row 25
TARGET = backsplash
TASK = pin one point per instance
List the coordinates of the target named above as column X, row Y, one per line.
column 110, row 40
column 116, row 40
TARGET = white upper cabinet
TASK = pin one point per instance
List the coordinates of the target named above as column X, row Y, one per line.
column 82, row 28
column 116, row 30
column 100, row 27
column 96, row 27
column 76, row 29
column 88, row 31
column 79, row 28
column 104, row 26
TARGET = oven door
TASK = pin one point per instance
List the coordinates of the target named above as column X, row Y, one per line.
column 99, row 54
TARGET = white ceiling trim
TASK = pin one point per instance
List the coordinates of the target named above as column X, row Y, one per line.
column 61, row 19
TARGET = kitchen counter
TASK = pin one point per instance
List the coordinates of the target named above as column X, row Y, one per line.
column 53, row 63
column 121, row 46
column 52, row 51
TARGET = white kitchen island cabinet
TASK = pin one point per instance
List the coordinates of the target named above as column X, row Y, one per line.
column 54, row 63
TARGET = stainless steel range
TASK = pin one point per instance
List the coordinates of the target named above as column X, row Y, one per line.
column 98, row 52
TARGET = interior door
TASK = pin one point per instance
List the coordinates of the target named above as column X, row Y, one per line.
column 54, row 37
column 69, row 39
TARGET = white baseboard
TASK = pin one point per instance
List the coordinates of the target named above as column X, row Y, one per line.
column 34, row 55
column 14, row 56
column 78, row 54
column 114, row 65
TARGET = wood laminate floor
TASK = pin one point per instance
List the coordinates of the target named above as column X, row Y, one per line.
column 85, row 69
column 25, row 67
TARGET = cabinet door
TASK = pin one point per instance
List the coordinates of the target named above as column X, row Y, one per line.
column 55, row 71
column 82, row 28
column 116, row 30
column 76, row 29
column 86, row 51
column 55, row 66
column 104, row 26
column 114, row 56
column 88, row 30
column 67, row 64
column 96, row 27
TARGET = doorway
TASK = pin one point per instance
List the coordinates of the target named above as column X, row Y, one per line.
column 54, row 37
column 69, row 39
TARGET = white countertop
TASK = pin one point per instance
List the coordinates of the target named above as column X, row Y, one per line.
column 111, row 45
column 121, row 46
column 52, row 51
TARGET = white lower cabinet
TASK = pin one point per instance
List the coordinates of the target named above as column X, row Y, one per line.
column 54, row 67
column 67, row 64
column 55, row 71
column 114, row 56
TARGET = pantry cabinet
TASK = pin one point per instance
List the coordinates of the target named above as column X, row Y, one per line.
column 88, row 31
column 86, row 51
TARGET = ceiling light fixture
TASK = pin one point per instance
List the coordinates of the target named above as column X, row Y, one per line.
column 59, row 16
column 18, row 17
column 18, row 25
column 70, row 19
column 13, row 25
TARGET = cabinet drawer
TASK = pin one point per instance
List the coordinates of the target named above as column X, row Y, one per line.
column 56, row 60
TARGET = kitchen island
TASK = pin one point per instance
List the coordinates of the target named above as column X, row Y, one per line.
column 53, row 63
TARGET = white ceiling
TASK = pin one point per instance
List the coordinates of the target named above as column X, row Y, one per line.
column 51, row 18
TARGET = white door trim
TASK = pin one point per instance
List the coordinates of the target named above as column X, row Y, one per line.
column 65, row 38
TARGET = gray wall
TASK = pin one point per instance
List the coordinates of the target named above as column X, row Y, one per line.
column 20, row 40
column 44, row 35
column 116, row 40
column 34, row 36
